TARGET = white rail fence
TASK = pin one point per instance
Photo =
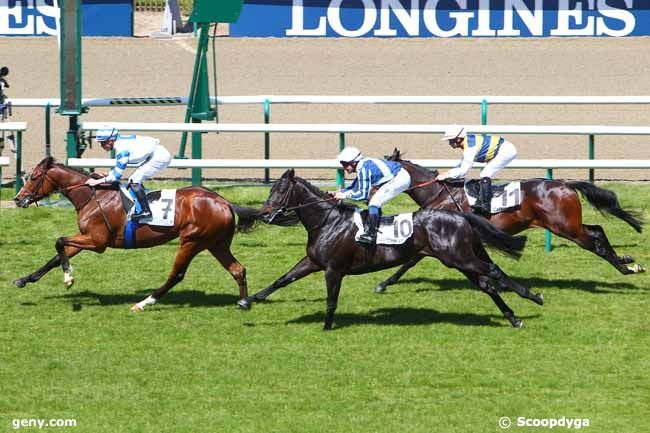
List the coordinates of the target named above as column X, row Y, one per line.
column 18, row 128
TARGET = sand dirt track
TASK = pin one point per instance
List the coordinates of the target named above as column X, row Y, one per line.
column 129, row 67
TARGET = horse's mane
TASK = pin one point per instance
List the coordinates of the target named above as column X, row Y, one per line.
column 51, row 161
column 397, row 157
column 345, row 207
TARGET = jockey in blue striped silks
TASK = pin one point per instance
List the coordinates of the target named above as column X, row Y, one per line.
column 388, row 177
column 133, row 149
column 497, row 152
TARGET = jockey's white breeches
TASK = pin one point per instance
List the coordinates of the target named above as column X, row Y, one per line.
column 392, row 188
column 507, row 153
column 159, row 160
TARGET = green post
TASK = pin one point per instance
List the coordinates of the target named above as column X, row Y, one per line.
column 267, row 139
column 340, row 175
column 19, row 160
column 549, row 247
column 591, row 156
column 48, row 130
column 484, row 112
column 70, row 69
column 196, row 154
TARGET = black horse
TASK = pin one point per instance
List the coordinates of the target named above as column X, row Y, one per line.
column 451, row 237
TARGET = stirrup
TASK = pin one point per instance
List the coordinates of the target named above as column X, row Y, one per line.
column 140, row 215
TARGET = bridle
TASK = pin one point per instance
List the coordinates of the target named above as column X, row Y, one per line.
column 283, row 209
column 39, row 186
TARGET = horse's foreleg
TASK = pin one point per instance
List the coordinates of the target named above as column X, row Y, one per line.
column 381, row 287
column 38, row 274
column 74, row 243
column 186, row 252
column 232, row 265
column 333, row 281
column 301, row 269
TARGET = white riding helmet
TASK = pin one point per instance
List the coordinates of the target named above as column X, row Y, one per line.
column 107, row 133
column 454, row 131
column 349, row 154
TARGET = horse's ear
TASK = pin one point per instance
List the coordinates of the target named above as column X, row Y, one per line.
column 290, row 173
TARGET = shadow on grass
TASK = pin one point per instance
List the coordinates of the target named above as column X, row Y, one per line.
column 534, row 284
column 408, row 317
column 182, row 298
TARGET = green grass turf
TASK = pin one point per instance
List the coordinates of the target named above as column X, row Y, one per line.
column 431, row 355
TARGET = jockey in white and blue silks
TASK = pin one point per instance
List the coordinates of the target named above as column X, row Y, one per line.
column 388, row 176
column 133, row 149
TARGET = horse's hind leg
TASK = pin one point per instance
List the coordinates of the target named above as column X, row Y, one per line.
column 503, row 279
column 484, row 283
column 222, row 253
column 39, row 273
column 597, row 240
column 381, row 287
column 186, row 252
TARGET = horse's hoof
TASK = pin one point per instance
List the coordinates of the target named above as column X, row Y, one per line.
column 327, row 327
column 626, row 260
column 381, row 288
column 20, row 283
column 137, row 309
column 68, row 282
column 517, row 323
column 244, row 304
column 636, row 268
column 539, row 299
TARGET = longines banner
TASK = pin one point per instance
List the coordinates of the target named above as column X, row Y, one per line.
column 443, row 18
column 40, row 17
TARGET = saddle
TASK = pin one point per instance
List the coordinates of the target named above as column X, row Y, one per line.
column 505, row 196
column 393, row 229
column 162, row 204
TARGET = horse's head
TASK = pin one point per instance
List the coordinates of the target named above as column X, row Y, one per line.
column 38, row 184
column 280, row 197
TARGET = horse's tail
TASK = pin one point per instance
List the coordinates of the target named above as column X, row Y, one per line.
column 492, row 236
column 607, row 203
column 247, row 217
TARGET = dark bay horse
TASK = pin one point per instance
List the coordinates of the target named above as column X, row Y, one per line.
column 551, row 204
column 451, row 237
column 203, row 220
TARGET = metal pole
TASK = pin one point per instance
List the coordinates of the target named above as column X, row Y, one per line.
column 19, row 160
column 267, row 139
column 340, row 175
column 549, row 247
column 484, row 112
column 48, row 130
column 591, row 156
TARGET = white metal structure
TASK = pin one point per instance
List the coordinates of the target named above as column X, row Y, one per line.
column 368, row 128
column 342, row 99
column 332, row 163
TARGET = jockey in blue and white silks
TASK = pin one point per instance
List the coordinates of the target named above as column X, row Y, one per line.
column 496, row 152
column 133, row 149
column 388, row 176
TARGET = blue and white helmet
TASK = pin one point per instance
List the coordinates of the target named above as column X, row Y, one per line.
column 108, row 133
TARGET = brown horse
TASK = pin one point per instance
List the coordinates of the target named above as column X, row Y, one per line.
column 203, row 220
column 551, row 204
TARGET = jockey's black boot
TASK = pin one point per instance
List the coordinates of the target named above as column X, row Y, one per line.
column 145, row 211
column 369, row 237
column 482, row 205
